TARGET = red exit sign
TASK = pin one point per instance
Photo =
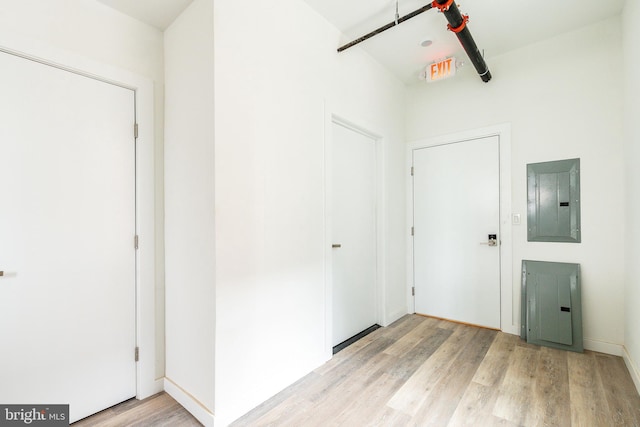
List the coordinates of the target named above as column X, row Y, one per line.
column 441, row 70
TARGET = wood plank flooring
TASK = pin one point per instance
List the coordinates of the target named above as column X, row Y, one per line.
column 158, row 410
column 427, row 372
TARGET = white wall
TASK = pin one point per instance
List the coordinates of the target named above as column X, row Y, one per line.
column 563, row 98
column 276, row 69
column 632, row 154
column 105, row 40
column 189, row 208
column 89, row 28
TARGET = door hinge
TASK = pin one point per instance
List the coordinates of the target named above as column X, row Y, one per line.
column 136, row 242
column 412, row 231
column 411, row 170
column 413, row 291
column 137, row 356
column 135, row 130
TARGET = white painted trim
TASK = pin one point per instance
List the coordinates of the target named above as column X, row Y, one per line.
column 158, row 386
column 332, row 117
column 145, row 201
column 631, row 366
column 394, row 316
column 508, row 318
column 411, row 303
column 190, row 403
column 603, row 347
column 328, row 224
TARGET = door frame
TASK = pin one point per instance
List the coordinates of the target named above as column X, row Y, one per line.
column 331, row 119
column 503, row 132
column 145, row 287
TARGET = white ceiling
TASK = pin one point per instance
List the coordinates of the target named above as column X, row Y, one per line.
column 158, row 13
column 497, row 26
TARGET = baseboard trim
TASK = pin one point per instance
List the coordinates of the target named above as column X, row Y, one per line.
column 190, row 403
column 631, row 366
column 603, row 347
column 158, row 385
column 511, row 329
column 346, row 343
column 389, row 319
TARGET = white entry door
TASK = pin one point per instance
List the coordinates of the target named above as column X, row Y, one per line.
column 456, row 191
column 67, row 223
column 354, row 232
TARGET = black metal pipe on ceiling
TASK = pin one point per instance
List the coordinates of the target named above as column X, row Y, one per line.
column 386, row 27
column 457, row 24
column 456, row 21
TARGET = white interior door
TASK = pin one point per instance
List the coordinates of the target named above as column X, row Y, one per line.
column 354, row 230
column 67, row 221
column 456, row 191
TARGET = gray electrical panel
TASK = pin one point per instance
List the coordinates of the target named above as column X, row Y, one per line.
column 553, row 201
column 551, row 311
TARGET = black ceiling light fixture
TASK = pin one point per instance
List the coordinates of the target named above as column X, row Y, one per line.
column 457, row 24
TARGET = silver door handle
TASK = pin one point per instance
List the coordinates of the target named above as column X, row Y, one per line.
column 492, row 240
column 336, row 245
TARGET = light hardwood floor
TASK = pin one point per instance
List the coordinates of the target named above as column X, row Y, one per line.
column 428, row 372
column 158, row 410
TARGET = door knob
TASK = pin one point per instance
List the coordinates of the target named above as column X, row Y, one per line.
column 336, row 245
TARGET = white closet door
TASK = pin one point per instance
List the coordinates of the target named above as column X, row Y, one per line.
column 354, row 230
column 67, row 224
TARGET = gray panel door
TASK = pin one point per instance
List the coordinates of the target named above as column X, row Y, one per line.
column 552, row 304
column 552, row 296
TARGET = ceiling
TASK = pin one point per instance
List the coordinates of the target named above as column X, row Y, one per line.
column 497, row 26
column 157, row 13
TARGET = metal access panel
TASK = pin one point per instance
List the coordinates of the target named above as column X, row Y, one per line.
column 552, row 305
column 553, row 196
